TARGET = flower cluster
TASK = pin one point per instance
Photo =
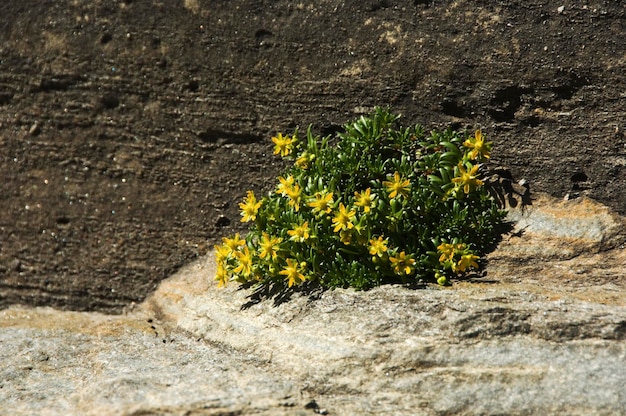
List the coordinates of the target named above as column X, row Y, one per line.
column 382, row 205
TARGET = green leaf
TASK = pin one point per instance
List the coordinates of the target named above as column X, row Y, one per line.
column 452, row 148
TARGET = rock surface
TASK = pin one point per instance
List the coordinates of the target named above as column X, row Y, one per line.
column 542, row 333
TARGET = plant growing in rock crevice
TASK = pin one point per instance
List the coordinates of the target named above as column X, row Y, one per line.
column 380, row 205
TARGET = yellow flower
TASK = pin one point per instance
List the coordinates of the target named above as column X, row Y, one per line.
column 467, row 179
column 364, row 199
column 343, row 219
column 397, row 186
column 221, row 253
column 284, row 145
column 378, row 247
column 345, row 236
column 285, row 184
column 245, row 262
column 289, row 188
column 322, row 203
column 402, row 263
column 269, row 246
column 467, row 260
column 295, row 196
column 480, row 148
column 293, row 273
column 304, row 160
column 234, row 243
column 221, row 276
column 249, row 207
column 447, row 252
column 300, row 233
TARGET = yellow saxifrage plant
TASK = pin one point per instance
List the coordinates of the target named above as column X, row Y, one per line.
column 381, row 205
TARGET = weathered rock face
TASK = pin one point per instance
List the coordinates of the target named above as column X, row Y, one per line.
column 542, row 333
column 129, row 129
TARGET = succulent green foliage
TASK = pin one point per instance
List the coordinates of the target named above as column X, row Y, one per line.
column 376, row 204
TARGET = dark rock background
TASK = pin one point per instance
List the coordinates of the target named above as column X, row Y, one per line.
column 130, row 129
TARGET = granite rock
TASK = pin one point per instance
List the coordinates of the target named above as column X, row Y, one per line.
column 541, row 333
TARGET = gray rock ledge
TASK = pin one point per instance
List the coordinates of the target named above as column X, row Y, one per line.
column 542, row 333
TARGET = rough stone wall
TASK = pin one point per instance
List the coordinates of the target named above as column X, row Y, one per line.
column 129, row 129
